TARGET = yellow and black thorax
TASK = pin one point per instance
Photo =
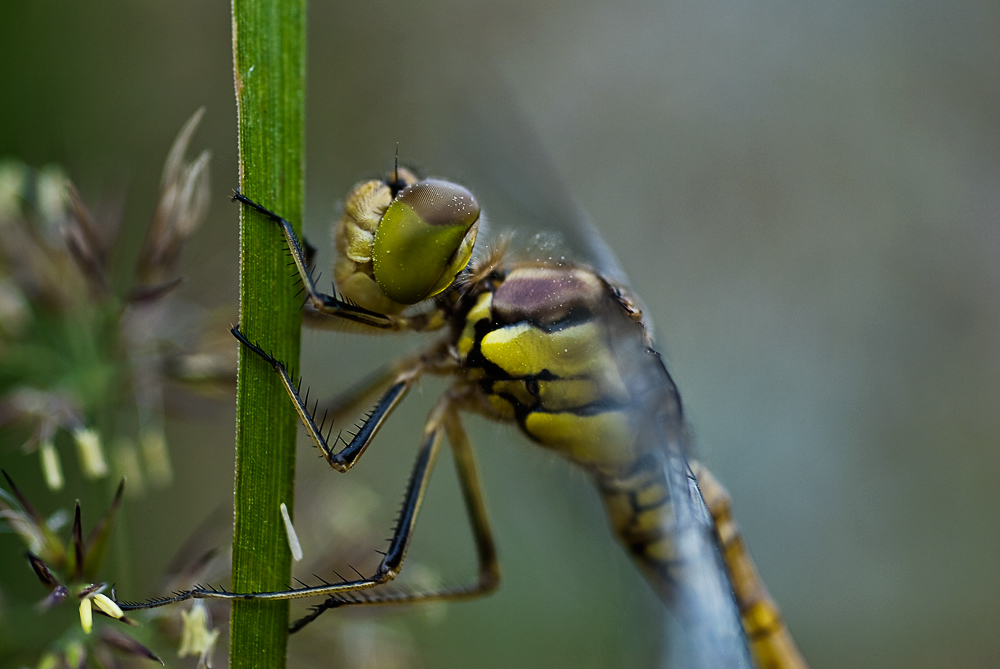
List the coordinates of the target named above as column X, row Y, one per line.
column 557, row 350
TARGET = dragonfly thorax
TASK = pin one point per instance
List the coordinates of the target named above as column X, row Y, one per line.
column 553, row 349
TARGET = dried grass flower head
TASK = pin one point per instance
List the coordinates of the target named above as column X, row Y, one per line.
column 81, row 361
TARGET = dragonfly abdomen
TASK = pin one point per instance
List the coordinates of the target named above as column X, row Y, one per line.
column 641, row 516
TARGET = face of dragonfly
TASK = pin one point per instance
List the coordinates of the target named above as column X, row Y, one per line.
column 404, row 240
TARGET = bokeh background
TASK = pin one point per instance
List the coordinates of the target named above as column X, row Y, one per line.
column 807, row 198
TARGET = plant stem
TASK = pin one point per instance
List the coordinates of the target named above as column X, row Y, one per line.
column 269, row 71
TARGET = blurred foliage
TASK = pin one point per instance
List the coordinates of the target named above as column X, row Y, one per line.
column 67, row 570
column 78, row 358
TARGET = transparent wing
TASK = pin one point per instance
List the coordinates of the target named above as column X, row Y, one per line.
column 510, row 168
column 705, row 602
column 703, row 595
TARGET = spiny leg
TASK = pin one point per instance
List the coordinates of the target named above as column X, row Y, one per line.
column 410, row 369
column 350, row 454
column 387, row 569
column 444, row 417
column 771, row 642
column 322, row 302
column 361, row 394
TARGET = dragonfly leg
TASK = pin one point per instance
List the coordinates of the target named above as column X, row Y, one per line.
column 771, row 642
column 331, row 305
column 353, row 400
column 386, row 571
column 444, row 419
column 411, row 370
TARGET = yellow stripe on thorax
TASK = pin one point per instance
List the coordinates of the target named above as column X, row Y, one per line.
column 575, row 371
column 479, row 312
column 600, row 440
column 524, row 350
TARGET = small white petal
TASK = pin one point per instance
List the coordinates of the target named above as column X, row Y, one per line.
column 293, row 538
column 86, row 615
column 88, row 445
column 50, row 187
column 51, row 467
column 106, row 604
column 196, row 636
column 205, row 661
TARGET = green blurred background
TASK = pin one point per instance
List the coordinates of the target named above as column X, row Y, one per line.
column 807, row 198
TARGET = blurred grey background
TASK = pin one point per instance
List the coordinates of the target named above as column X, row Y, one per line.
column 807, row 198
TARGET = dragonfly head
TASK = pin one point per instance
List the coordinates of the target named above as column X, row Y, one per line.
column 424, row 240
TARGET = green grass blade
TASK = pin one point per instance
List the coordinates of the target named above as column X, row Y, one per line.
column 269, row 71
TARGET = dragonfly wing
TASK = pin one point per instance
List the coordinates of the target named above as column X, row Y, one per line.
column 705, row 602
column 508, row 164
column 693, row 579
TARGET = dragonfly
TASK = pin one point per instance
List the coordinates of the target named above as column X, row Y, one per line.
column 561, row 349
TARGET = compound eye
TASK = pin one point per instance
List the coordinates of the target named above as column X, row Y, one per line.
column 424, row 240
